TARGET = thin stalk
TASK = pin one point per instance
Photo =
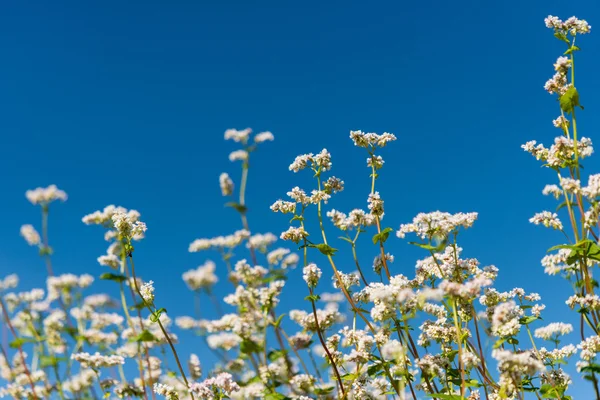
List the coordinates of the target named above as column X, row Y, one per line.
column 162, row 328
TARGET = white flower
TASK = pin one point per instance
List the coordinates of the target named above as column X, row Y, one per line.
column 437, row 224
column 547, row 219
column 97, row 360
column 44, row 196
column 147, row 292
column 553, row 330
column 165, row 390
column 201, row 277
column 263, row 137
column 226, row 184
column 311, row 275
column 128, row 226
column 238, row 155
column 31, row 236
column 238, row 136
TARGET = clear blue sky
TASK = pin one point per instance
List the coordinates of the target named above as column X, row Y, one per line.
column 126, row 103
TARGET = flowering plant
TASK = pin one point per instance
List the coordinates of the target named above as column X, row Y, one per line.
column 443, row 331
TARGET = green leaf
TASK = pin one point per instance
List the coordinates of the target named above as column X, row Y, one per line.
column 323, row 390
column 278, row 322
column 444, row 396
column 144, row 336
column 18, row 342
column 512, row 340
column 572, row 49
column 326, row 249
column 297, row 218
column 51, row 361
column 382, row 236
column 275, row 396
column 139, row 306
column 499, row 343
column 239, row 207
column 347, row 240
column 527, row 320
column 569, row 100
column 592, row 367
column 276, row 355
column 562, row 246
column 156, row 314
column 248, row 347
column 313, row 297
column 113, row 277
column 435, row 249
column 561, row 36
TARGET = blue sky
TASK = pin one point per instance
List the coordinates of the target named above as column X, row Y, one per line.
column 126, row 103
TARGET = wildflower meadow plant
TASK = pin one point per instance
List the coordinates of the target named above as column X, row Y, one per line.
column 441, row 331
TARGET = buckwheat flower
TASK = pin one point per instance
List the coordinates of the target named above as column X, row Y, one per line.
column 166, row 391
column 437, row 224
column 553, row 330
column 31, row 236
column 378, row 262
column 45, row 196
column 561, row 122
column 537, row 309
column 536, row 150
column 556, row 84
column 238, row 155
column 128, row 226
column 199, row 245
column 264, row 137
column 589, row 348
column 552, row 190
column 375, row 161
column 562, row 64
column 261, row 241
column 291, row 260
column 147, row 292
column 301, row 162
column 367, row 140
column 393, row 350
column 570, row 185
column 319, row 195
column 275, row 256
column 97, row 360
column 376, row 204
column 226, row 184
column 322, row 160
column 576, row 26
column 299, row 196
column 202, row 277
column 223, row 340
column 222, row 383
column 284, row 207
column 294, row 234
column 338, row 219
column 194, row 367
column 517, row 363
column 9, row 282
column 592, row 190
column 348, row 280
column 553, row 22
column 301, row 340
column 311, row 275
column 333, row 185
column 589, row 301
column 547, row 219
column 238, row 136
column 505, row 320
column 109, row 260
